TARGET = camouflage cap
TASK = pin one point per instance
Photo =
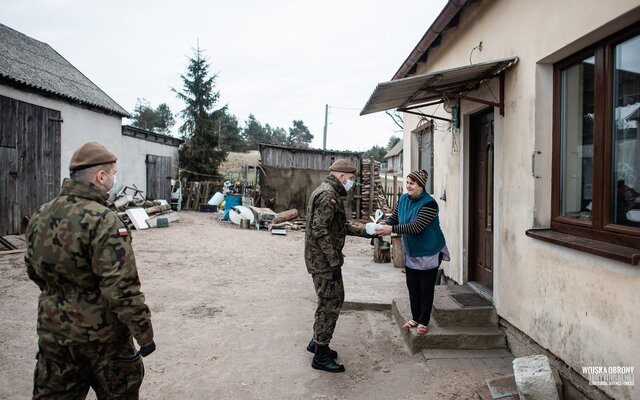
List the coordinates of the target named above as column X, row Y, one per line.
column 89, row 155
column 342, row 165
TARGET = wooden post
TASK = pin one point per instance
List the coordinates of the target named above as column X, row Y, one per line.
column 397, row 252
column 372, row 188
column 395, row 190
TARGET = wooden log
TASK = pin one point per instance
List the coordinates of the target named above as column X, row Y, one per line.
column 397, row 252
column 3, row 252
column 171, row 217
column 157, row 209
column 285, row 216
column 380, row 255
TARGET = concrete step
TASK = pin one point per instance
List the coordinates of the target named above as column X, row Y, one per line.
column 460, row 305
column 447, row 337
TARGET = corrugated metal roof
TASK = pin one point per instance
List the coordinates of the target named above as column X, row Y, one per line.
column 421, row 89
column 35, row 64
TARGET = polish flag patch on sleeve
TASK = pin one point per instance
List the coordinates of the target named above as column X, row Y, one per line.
column 123, row 232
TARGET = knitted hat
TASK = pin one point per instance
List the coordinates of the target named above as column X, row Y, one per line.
column 420, row 177
column 342, row 165
column 91, row 154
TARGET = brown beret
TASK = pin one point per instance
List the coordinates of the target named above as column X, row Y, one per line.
column 89, row 155
column 342, row 165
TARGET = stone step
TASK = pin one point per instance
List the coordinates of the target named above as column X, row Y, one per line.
column 451, row 337
column 460, row 305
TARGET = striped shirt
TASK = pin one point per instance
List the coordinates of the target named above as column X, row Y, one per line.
column 425, row 216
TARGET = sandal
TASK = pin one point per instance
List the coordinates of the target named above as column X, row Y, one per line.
column 422, row 329
column 409, row 324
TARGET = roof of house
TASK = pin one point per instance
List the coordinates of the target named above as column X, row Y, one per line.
column 395, row 150
column 34, row 64
column 448, row 18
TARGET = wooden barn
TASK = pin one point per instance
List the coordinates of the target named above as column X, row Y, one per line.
column 48, row 108
column 288, row 175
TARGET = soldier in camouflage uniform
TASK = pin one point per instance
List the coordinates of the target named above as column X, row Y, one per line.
column 90, row 306
column 327, row 227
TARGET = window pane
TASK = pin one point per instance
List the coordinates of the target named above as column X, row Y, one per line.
column 626, row 134
column 576, row 130
column 426, row 156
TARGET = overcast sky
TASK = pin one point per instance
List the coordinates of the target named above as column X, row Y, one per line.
column 280, row 60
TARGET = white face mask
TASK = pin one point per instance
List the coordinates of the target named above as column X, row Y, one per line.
column 348, row 185
column 113, row 180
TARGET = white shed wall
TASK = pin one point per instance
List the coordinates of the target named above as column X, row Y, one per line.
column 83, row 125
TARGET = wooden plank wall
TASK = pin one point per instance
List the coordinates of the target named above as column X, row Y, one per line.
column 302, row 159
column 9, row 211
column 159, row 175
column 31, row 153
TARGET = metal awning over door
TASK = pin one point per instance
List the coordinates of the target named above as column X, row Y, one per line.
column 428, row 89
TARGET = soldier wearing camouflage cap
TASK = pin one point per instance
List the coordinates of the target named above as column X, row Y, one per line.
column 90, row 307
column 327, row 227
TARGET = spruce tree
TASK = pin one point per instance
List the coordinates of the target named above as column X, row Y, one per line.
column 201, row 153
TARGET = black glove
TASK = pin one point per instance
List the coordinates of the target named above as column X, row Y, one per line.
column 336, row 273
column 147, row 349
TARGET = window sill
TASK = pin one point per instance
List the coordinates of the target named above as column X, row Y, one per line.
column 616, row 252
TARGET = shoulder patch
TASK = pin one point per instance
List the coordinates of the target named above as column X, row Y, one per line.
column 123, row 232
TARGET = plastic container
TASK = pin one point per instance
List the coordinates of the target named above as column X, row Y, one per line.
column 229, row 203
column 216, row 199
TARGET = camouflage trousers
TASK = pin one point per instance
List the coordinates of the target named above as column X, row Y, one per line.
column 330, row 292
column 112, row 370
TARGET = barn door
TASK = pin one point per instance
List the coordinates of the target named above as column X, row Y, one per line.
column 481, row 199
column 158, row 177
column 29, row 161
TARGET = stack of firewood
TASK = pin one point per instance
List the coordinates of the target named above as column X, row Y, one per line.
column 372, row 195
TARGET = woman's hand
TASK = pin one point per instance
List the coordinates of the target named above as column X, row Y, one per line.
column 384, row 230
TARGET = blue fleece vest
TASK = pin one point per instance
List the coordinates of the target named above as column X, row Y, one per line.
column 428, row 242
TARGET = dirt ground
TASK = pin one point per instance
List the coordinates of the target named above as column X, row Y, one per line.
column 232, row 311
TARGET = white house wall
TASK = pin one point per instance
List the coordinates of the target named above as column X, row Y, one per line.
column 581, row 307
column 82, row 125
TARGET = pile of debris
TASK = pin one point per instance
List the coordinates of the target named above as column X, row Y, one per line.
column 140, row 213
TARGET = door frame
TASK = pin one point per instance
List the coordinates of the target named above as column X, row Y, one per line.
column 471, row 109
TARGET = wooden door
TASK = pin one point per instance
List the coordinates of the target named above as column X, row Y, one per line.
column 29, row 161
column 481, row 199
column 158, row 177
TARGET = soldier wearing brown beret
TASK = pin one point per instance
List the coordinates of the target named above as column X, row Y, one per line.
column 327, row 227
column 91, row 308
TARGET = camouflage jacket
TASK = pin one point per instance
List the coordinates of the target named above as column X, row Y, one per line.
column 80, row 256
column 327, row 227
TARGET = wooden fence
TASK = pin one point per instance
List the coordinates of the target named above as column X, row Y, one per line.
column 196, row 193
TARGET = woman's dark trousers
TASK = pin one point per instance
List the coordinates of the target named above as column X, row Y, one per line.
column 421, row 285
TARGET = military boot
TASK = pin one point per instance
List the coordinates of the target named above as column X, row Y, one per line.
column 322, row 361
column 311, row 348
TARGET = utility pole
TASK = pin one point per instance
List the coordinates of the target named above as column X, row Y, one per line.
column 324, row 138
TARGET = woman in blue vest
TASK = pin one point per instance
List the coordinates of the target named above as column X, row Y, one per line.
column 415, row 217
